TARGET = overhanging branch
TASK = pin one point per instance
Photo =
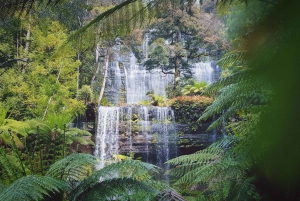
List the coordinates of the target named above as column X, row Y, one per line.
column 12, row 60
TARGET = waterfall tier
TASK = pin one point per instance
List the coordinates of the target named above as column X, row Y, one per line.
column 128, row 81
column 146, row 131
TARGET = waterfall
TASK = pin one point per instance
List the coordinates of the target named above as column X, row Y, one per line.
column 107, row 134
column 203, row 71
column 135, row 81
column 163, row 127
column 139, row 81
column 113, row 82
column 148, row 133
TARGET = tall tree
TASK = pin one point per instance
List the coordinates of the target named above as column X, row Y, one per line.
column 179, row 36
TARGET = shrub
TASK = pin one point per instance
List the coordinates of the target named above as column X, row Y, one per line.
column 188, row 109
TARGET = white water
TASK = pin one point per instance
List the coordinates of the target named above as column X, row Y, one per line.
column 107, row 134
column 203, row 71
column 136, row 81
column 140, row 81
column 156, row 128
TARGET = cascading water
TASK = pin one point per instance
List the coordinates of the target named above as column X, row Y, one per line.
column 203, row 71
column 107, row 134
column 147, row 132
column 139, row 81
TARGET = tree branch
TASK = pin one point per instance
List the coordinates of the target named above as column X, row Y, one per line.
column 162, row 70
column 12, row 60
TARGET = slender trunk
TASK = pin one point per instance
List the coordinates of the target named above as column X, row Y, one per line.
column 105, row 75
column 26, row 50
column 77, row 78
column 98, row 67
column 50, row 99
column 95, row 74
column 177, row 71
column 177, row 61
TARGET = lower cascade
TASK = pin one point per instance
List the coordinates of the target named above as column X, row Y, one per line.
column 147, row 133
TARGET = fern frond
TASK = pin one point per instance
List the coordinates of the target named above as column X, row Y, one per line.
column 245, row 190
column 125, row 169
column 202, row 156
column 32, row 187
column 232, row 59
column 247, row 95
column 78, row 132
column 167, row 195
column 2, row 187
column 73, row 167
column 11, row 169
column 117, row 189
column 212, row 89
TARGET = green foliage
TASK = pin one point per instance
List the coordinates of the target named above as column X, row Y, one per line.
column 220, row 172
column 48, row 141
column 158, row 55
column 188, row 109
column 3, row 113
column 74, row 167
column 127, row 179
column 119, row 188
column 85, row 94
column 11, row 130
column 195, row 89
column 10, row 167
column 167, row 195
column 32, row 187
column 157, row 100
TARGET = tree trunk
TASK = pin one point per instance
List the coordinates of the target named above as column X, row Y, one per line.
column 78, row 73
column 26, row 49
column 177, row 71
column 97, row 69
column 50, row 99
column 177, row 61
column 105, row 75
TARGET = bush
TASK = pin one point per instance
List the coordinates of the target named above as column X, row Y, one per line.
column 188, row 109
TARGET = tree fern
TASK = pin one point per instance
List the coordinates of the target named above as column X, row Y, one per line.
column 10, row 167
column 218, row 168
column 32, row 187
column 118, row 189
column 167, row 195
column 133, row 172
column 73, row 167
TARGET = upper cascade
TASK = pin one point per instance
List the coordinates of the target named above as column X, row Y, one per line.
column 129, row 81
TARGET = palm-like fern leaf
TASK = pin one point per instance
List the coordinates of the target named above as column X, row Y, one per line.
column 2, row 188
column 9, row 131
column 118, row 189
column 220, row 171
column 10, row 166
column 9, row 7
column 125, row 169
column 167, row 195
column 32, row 187
column 73, row 167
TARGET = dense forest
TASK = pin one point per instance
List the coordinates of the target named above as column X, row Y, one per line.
column 55, row 57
